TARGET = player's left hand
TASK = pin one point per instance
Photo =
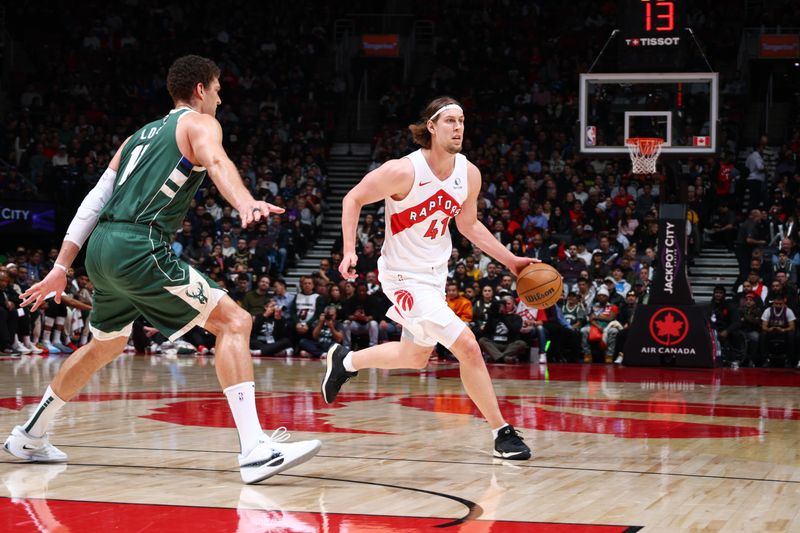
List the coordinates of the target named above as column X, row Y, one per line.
column 521, row 262
column 54, row 281
column 256, row 210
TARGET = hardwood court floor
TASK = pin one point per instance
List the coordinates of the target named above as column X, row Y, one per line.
column 152, row 448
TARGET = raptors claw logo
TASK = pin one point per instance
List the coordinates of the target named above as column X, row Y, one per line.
column 404, row 299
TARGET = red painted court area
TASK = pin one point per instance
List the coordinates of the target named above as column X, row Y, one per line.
column 548, row 413
column 36, row 515
column 666, row 377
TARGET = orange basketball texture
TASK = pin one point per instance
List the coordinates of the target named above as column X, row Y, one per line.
column 539, row 285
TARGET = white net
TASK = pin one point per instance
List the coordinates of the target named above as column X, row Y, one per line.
column 644, row 154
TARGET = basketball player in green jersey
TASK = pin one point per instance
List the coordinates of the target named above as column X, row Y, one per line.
column 138, row 204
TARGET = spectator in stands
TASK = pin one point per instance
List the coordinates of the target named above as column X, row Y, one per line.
column 625, row 318
column 757, row 177
column 327, row 330
column 602, row 328
column 482, row 308
column 492, row 277
column 570, row 267
column 749, row 237
column 722, row 226
column 460, row 305
column 778, row 324
column 567, row 348
column 255, row 300
column 360, row 312
column 242, row 284
column 750, row 313
column 724, row 318
column 270, row 333
column 533, row 330
column 8, row 317
column 368, row 260
column 501, row 340
column 306, row 307
column 282, row 298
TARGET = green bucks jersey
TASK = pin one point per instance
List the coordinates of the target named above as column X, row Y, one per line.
column 155, row 183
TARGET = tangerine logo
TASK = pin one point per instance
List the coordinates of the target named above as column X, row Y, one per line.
column 669, row 326
column 404, row 299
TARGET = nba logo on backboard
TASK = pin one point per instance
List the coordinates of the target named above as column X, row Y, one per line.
column 591, row 135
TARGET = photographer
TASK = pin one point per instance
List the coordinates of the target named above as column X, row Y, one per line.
column 327, row 331
column 270, row 332
column 501, row 340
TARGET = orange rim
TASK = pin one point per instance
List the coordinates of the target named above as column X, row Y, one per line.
column 646, row 145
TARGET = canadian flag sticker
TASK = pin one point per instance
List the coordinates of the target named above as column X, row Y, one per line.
column 699, row 140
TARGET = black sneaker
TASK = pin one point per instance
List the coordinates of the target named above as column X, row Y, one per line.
column 335, row 375
column 509, row 445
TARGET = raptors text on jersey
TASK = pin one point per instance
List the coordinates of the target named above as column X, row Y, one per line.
column 417, row 237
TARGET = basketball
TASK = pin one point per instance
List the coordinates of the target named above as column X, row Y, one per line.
column 539, row 285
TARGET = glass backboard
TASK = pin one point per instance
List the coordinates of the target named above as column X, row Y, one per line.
column 680, row 108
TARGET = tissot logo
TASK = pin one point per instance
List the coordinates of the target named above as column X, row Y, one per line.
column 653, row 41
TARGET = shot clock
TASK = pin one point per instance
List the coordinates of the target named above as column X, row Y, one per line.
column 653, row 36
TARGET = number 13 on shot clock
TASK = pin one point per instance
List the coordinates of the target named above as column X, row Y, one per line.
column 653, row 22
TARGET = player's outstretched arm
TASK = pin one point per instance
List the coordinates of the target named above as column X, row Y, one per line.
column 474, row 230
column 205, row 141
column 393, row 178
column 80, row 228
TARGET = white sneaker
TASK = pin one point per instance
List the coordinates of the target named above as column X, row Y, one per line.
column 21, row 348
column 32, row 348
column 271, row 456
column 542, row 358
column 618, row 360
column 37, row 450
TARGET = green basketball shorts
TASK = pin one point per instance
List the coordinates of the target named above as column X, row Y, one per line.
column 135, row 272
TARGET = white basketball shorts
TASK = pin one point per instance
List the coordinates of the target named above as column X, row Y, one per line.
column 420, row 306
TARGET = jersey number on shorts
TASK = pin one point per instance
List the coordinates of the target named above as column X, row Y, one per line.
column 433, row 232
column 136, row 155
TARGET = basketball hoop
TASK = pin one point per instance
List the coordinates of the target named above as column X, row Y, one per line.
column 644, row 153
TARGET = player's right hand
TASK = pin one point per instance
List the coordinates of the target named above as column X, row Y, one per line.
column 347, row 268
column 56, row 281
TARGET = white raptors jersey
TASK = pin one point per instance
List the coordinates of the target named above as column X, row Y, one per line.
column 417, row 237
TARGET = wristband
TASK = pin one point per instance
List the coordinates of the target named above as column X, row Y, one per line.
column 59, row 265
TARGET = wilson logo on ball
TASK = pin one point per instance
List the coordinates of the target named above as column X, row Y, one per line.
column 537, row 296
column 404, row 299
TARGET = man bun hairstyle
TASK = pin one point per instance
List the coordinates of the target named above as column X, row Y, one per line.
column 419, row 130
column 186, row 72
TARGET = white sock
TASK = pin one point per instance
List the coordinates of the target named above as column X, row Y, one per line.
column 348, row 362
column 496, row 432
column 36, row 426
column 242, row 401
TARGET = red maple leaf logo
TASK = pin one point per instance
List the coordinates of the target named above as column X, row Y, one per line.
column 669, row 327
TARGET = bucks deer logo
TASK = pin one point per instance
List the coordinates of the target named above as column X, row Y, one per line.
column 200, row 295
column 404, row 299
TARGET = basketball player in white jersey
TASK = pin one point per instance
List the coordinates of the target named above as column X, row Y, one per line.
column 423, row 192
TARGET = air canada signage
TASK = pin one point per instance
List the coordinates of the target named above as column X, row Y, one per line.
column 670, row 330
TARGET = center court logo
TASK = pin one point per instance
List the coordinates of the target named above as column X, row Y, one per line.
column 669, row 326
column 404, row 299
